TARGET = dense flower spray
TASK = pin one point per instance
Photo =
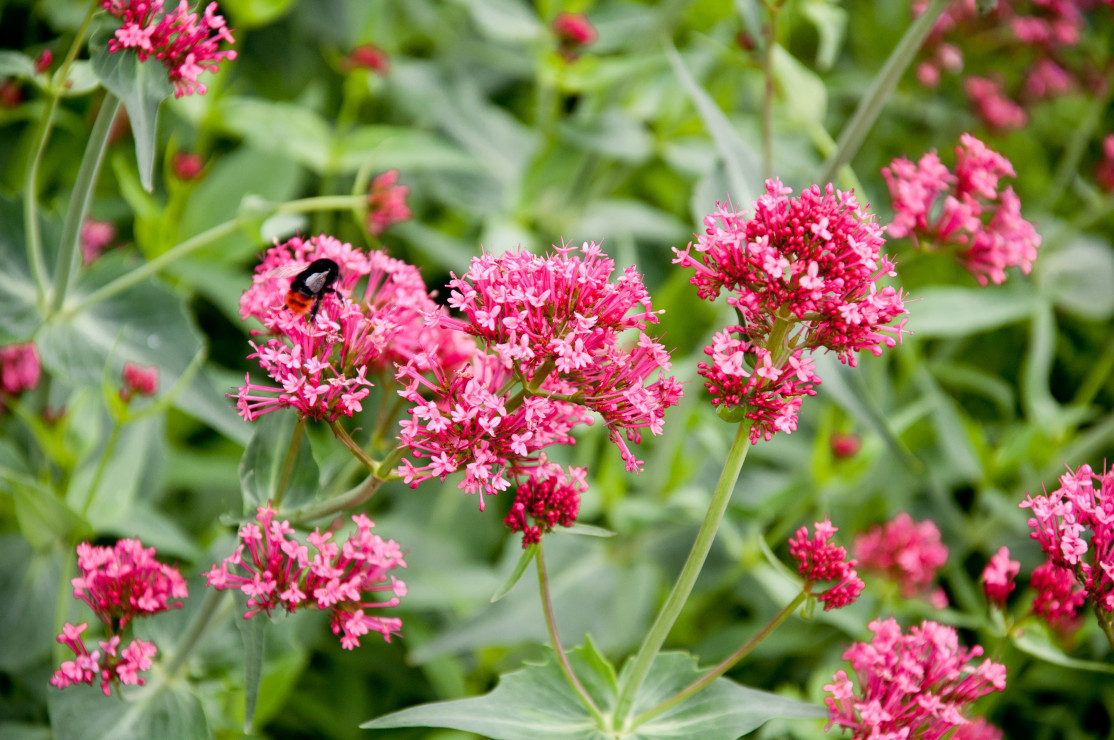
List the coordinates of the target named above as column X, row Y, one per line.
column 187, row 44
column 562, row 340
column 1060, row 520
column 119, row 584
column 20, row 369
column 907, row 552
column 348, row 581
column 803, row 274
column 820, row 561
column 997, row 577
column 548, row 497
column 967, row 210
column 915, row 685
column 321, row 368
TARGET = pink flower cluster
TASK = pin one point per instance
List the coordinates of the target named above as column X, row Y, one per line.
column 549, row 496
column 965, row 210
column 95, row 238
column 811, row 262
column 186, row 44
column 321, row 368
column 824, row 562
column 1057, row 597
column 19, row 368
column 1104, row 171
column 906, row 552
column 110, row 663
column 574, row 32
column 118, row 583
column 277, row 570
column 386, row 202
column 139, row 381
column 917, row 685
column 1059, row 523
column 998, row 576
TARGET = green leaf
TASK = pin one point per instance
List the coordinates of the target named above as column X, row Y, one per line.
column 44, row 519
column 528, row 555
column 250, row 13
column 1077, row 278
column 1036, row 644
column 287, row 129
column 401, row 148
column 537, row 703
column 19, row 314
column 141, row 86
column 154, row 711
column 30, row 586
column 830, row 22
column 802, row 93
column 16, row 64
column 265, row 459
column 958, row 312
column 586, row 530
column 504, row 20
column 254, row 634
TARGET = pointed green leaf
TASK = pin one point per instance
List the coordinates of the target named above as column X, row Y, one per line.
column 16, row 64
column 254, row 634
column 528, row 556
column 265, row 464
column 30, row 586
column 157, row 710
column 1037, row 645
column 142, row 86
column 958, row 312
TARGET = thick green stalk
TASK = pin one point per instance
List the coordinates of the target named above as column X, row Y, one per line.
column 345, row 501
column 769, row 31
column 555, row 640
column 69, row 252
column 687, row 578
column 724, row 666
column 196, row 629
column 854, row 133
column 102, row 465
column 288, row 462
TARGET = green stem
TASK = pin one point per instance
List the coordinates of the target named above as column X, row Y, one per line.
column 769, row 31
column 197, row 627
column 1068, row 166
column 69, row 252
column 109, row 447
column 288, row 463
column 361, row 454
column 555, row 640
column 148, row 269
column 866, row 113
column 31, row 180
column 724, row 666
column 1105, row 622
column 343, row 502
column 687, row 578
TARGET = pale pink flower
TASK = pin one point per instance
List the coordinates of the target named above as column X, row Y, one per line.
column 998, row 576
column 820, row 561
column 125, row 581
column 386, row 202
column 19, row 368
column 978, row 729
column 95, row 238
column 904, row 551
column 347, row 580
column 990, row 101
column 109, row 664
column 915, row 685
column 549, row 496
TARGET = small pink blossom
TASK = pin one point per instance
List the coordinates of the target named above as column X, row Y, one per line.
column 906, row 552
column 43, row 61
column 95, row 238
column 845, row 445
column 1057, row 599
column 386, row 202
column 109, row 664
column 368, row 56
column 139, row 381
column 347, row 580
column 996, row 110
column 1104, row 171
column 824, row 562
column 915, row 685
column 125, row 581
column 998, row 576
column 978, row 729
column 187, row 166
column 574, row 30
column 19, row 368
column 549, row 496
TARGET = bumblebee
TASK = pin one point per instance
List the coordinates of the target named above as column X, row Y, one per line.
column 310, row 285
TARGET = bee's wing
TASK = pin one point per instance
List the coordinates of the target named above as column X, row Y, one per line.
column 286, row 270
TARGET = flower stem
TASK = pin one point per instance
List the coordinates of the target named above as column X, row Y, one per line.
column 109, row 448
column 866, row 113
column 69, row 252
column 347, row 500
column 361, row 454
column 31, row 180
column 687, row 578
column 555, row 640
column 197, row 627
column 724, row 665
column 769, row 31
column 288, row 463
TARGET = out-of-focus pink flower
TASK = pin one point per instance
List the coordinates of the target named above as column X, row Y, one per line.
column 1047, row 79
column 1059, row 523
column 95, row 238
column 967, row 211
column 917, row 685
column 186, row 44
column 19, row 368
column 345, row 580
column 109, row 664
column 1057, row 599
column 187, row 166
column 139, row 381
column 43, row 61
column 808, row 266
column 386, row 202
column 368, row 56
column 820, row 561
column 993, row 106
column 125, row 581
column 998, row 576
column 549, row 496
column 845, row 445
column 906, row 552
column 1104, row 172
column 574, row 30
column 978, row 729
column 11, row 94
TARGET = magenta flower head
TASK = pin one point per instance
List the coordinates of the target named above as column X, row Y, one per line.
column 139, row 381
column 548, row 497
column 186, row 44
column 803, row 274
column 967, row 211
column 125, row 581
column 997, row 577
column 275, row 570
column 1060, row 522
column 1057, row 598
column 320, row 367
column 110, row 664
column 820, row 561
column 20, row 369
column 386, row 202
column 918, row 685
column 906, row 552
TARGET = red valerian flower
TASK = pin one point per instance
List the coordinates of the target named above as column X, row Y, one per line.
column 20, row 369
column 276, row 570
column 125, row 581
column 998, row 576
column 139, row 381
column 95, row 238
column 820, row 561
column 915, row 685
column 109, row 664
column 368, row 56
column 187, row 166
column 907, row 552
column 549, row 496
column 386, row 202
